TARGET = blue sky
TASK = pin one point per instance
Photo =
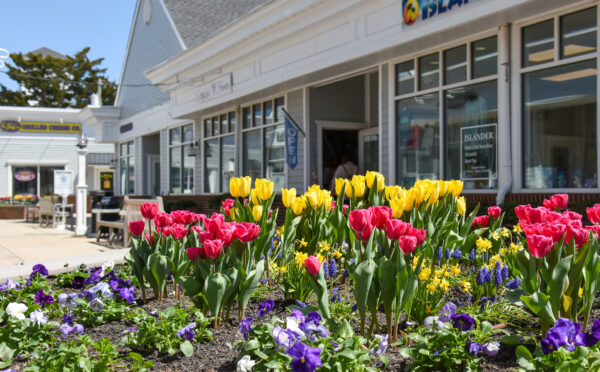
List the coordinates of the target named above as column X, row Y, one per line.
column 67, row 26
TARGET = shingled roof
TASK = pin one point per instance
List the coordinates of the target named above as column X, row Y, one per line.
column 198, row 20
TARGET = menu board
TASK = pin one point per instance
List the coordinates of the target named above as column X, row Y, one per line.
column 479, row 152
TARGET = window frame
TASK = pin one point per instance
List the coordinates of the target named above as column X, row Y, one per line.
column 181, row 145
column 127, row 157
column 219, row 138
column 440, row 89
column 517, row 97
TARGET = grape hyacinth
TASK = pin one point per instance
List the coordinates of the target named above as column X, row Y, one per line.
column 457, row 254
column 332, row 268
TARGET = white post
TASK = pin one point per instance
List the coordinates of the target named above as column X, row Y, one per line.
column 81, row 209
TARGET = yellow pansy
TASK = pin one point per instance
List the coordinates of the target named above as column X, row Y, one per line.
column 299, row 205
column 264, row 188
column 461, row 205
column 397, row 206
column 257, row 212
column 288, row 196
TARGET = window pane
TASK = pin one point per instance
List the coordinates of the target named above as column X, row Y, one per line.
column 268, row 112
column 188, row 170
column 471, row 111
column 224, row 124
column 175, row 136
column 455, row 64
column 123, row 175
column 578, row 33
column 246, row 117
column 405, row 77
column 211, row 166
column 188, row 133
column 257, row 115
column 279, row 106
column 207, row 130
column 215, row 126
column 559, row 127
column 131, row 176
column 252, row 154
column 417, row 138
column 47, row 180
column 123, row 149
column 232, row 121
column 26, row 185
column 227, row 161
column 130, row 148
column 484, row 54
column 429, row 71
column 275, row 155
column 538, row 43
column 175, row 169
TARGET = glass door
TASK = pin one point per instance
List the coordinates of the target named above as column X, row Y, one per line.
column 368, row 149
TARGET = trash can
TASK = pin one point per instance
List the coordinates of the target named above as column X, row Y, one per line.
column 106, row 202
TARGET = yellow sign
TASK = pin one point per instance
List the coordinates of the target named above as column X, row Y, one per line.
column 39, row 127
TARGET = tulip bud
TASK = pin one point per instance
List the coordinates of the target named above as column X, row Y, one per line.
column 288, row 196
column 312, row 264
column 257, row 212
column 213, row 248
column 461, row 205
column 149, row 210
column 494, row 211
column 407, row 244
column 137, row 227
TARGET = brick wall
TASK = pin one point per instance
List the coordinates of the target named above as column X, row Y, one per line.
column 12, row 212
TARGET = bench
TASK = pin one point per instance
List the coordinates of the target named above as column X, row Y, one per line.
column 119, row 230
column 46, row 210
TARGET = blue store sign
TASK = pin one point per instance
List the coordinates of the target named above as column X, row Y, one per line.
column 291, row 143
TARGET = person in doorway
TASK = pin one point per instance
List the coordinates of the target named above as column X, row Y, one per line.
column 346, row 169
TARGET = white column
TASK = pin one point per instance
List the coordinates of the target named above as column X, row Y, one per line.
column 503, row 144
column 82, row 188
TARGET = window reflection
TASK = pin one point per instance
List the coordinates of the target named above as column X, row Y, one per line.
column 252, row 154
column 275, row 155
column 429, row 71
column 538, row 43
column 578, row 33
column 211, row 166
column 484, row 54
column 227, row 161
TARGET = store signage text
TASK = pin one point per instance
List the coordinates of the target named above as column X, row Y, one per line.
column 428, row 8
column 106, row 181
column 24, row 175
column 478, row 152
column 291, row 144
column 39, row 127
column 215, row 88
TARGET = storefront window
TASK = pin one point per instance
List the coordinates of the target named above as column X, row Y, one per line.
column 578, row 33
column 471, row 116
column 484, row 54
column 25, row 180
column 219, row 154
column 417, row 138
column 559, row 127
column 181, row 160
column 538, row 43
column 127, row 167
column 429, row 71
column 405, row 77
column 252, row 154
column 455, row 65
column 275, row 155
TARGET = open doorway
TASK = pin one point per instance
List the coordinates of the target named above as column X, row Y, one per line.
column 339, row 146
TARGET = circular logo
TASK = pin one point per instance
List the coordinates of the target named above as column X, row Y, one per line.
column 411, row 11
column 24, row 175
column 10, row 126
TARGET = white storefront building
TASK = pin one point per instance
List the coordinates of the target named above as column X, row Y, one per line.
column 499, row 93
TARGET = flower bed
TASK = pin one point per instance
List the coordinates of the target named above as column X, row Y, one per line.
column 394, row 279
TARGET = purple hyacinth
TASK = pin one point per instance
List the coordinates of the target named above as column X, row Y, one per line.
column 473, row 348
column 43, row 299
column 481, row 276
column 463, row 322
column 447, row 255
column 498, row 274
column 439, row 253
column 245, row 327
column 325, row 269
column 306, row 358
column 472, row 255
column 264, row 307
column 187, row 333
column 505, row 273
column 457, row 254
column 332, row 268
column 448, row 310
column 513, row 284
column 38, row 269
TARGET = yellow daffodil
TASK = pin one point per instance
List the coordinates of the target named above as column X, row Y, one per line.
column 455, row 270
column 257, row 212
column 580, row 293
column 514, row 248
column 445, row 285
column 517, row 229
column 283, row 269
column 483, row 245
column 321, row 258
column 461, row 205
column 431, row 288
column 496, row 236
column 505, row 233
column 466, row 286
column 337, row 255
column 495, row 258
column 303, row 243
column 264, row 188
column 324, row 246
column 299, row 259
column 425, row 273
column 288, row 196
column 427, row 309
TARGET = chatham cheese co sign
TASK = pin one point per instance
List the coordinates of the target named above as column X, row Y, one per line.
column 13, row 126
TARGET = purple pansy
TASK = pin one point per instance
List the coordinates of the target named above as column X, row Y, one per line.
column 381, row 346
column 311, row 330
column 43, row 299
column 187, row 333
column 66, row 329
column 565, row 333
column 282, row 337
column 127, row 294
column 473, row 348
column 78, row 282
column 313, row 317
column 464, row 322
column 306, row 358
column 491, row 348
column 245, row 327
column 448, row 310
column 264, row 307
column 38, row 269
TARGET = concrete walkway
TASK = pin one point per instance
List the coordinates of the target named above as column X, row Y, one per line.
column 23, row 245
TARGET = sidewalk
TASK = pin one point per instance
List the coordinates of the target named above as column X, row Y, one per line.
column 23, row 245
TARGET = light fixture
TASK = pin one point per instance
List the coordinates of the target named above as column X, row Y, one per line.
column 193, row 149
column 82, row 143
column 586, row 72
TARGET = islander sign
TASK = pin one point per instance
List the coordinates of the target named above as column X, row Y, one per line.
column 478, row 152
column 412, row 9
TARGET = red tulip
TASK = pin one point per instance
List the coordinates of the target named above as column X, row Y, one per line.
column 227, row 205
column 227, row 233
column 407, row 244
column 547, row 203
column 162, row 220
column 200, row 217
column 556, row 231
column 246, row 231
column 494, row 211
column 165, row 231
column 149, row 210
column 380, row 216
column 312, row 264
column 137, row 227
column 394, row 229
column 569, row 215
column 595, row 229
column 213, row 248
column 183, row 217
column 559, row 201
column 539, row 245
column 214, row 223
column 345, row 209
column 579, row 234
column 150, row 238
column 194, row 252
column 332, row 206
column 364, row 235
column 521, row 212
column 360, row 219
column 419, row 234
column 178, row 231
column 537, row 215
column 203, row 235
column 594, row 214
column 481, row 221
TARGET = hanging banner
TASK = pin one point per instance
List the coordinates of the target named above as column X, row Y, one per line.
column 291, row 143
column 39, row 127
column 478, row 152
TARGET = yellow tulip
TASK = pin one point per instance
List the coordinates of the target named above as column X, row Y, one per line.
column 433, row 194
column 358, row 185
column 312, row 198
column 254, row 197
column 397, row 206
column 234, row 187
column 264, row 187
column 457, row 186
column 443, row 188
column 322, row 197
column 370, row 178
column 314, row 188
column 392, row 192
column 240, row 187
column 461, row 205
column 257, row 212
column 288, row 196
column 299, row 205
column 339, row 184
column 409, row 201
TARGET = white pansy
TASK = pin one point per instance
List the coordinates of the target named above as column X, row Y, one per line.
column 16, row 310
column 108, row 266
column 292, row 325
column 38, row 317
column 433, row 321
column 245, row 364
column 491, row 348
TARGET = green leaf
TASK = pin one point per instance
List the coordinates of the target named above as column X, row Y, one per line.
column 249, row 284
column 539, row 304
column 187, row 348
column 261, row 355
column 557, row 283
column 511, row 340
column 214, row 290
column 190, row 285
column 363, row 275
column 524, row 353
column 273, row 364
column 6, row 353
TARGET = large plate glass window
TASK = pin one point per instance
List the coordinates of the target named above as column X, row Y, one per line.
column 219, row 152
column 181, row 159
column 559, row 103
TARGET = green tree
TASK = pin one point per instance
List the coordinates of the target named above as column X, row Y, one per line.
column 48, row 81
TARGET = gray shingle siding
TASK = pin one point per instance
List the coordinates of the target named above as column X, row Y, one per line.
column 198, row 20
column 150, row 45
column 385, row 129
column 295, row 107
